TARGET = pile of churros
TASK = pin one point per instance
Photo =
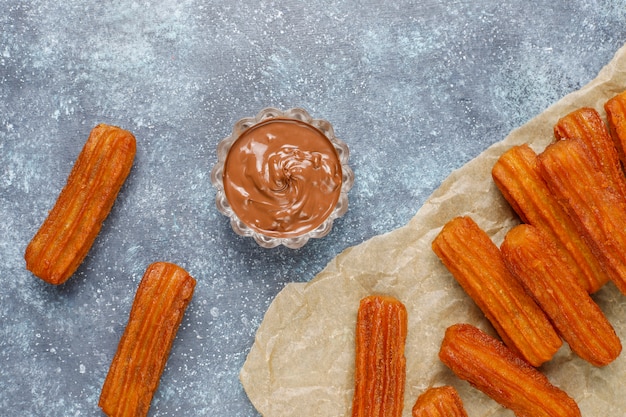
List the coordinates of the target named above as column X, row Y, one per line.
column 535, row 289
column 64, row 239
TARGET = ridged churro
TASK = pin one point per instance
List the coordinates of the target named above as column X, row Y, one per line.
column 439, row 402
column 67, row 234
column 533, row 258
column 586, row 125
column 517, row 176
column 491, row 367
column 158, row 308
column 589, row 197
column 477, row 265
column 380, row 367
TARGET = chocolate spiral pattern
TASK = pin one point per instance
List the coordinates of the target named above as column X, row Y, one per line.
column 282, row 177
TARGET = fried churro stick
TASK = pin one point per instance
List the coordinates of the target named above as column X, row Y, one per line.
column 380, row 363
column 615, row 110
column 67, row 234
column 517, row 175
column 585, row 124
column 491, row 367
column 588, row 196
column 439, row 402
column 532, row 257
column 477, row 265
column 160, row 302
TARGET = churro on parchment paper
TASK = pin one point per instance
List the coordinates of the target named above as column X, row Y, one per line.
column 302, row 361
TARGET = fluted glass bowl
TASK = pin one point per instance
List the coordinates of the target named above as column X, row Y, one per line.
column 243, row 229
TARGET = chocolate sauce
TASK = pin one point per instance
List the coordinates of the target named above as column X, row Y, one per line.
column 282, row 177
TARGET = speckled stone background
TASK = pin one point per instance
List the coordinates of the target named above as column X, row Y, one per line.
column 415, row 88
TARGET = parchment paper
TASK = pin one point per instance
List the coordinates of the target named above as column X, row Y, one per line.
column 302, row 361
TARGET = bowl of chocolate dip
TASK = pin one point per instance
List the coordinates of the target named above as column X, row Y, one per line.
column 282, row 177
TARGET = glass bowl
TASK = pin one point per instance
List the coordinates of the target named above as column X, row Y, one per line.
column 293, row 175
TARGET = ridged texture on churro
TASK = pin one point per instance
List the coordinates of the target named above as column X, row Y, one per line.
column 517, row 175
column 158, row 308
column 380, row 367
column 590, row 198
column 67, row 234
column 532, row 257
column 477, row 265
column 491, row 367
column 586, row 125
column 439, row 402
column 615, row 110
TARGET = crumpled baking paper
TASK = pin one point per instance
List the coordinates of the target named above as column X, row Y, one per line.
column 302, row 361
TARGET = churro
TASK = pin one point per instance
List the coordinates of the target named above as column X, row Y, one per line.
column 477, row 265
column 160, row 302
column 380, row 367
column 491, row 367
column 67, row 234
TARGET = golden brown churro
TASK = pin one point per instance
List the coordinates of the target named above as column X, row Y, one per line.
column 517, row 175
column 67, row 234
column 380, row 368
column 160, row 302
column 439, row 402
column 586, row 125
column 532, row 257
column 589, row 197
column 491, row 367
column 477, row 265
